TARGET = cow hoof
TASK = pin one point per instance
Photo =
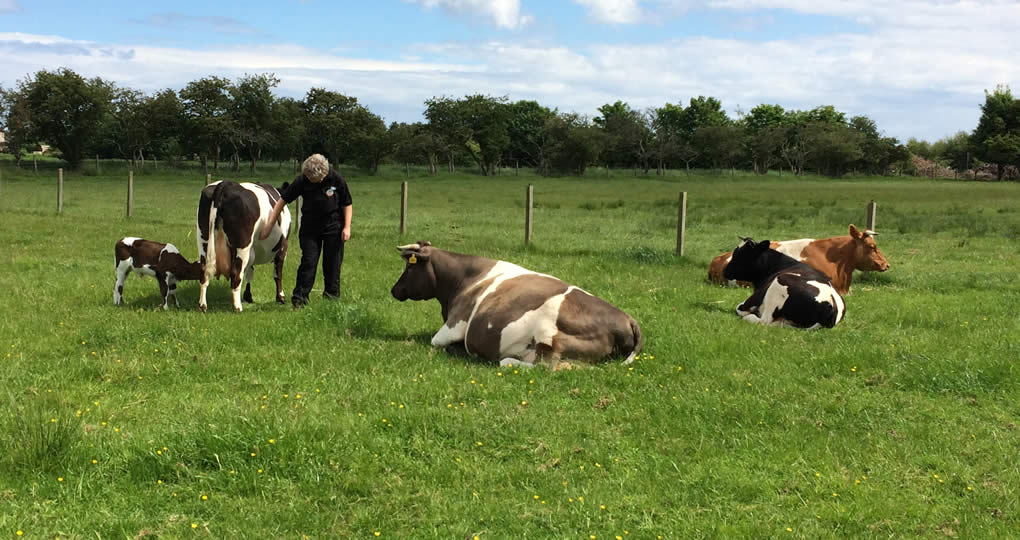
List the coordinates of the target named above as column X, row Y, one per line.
column 281, row 300
column 202, row 307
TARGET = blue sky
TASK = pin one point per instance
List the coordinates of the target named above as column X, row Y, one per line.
column 919, row 68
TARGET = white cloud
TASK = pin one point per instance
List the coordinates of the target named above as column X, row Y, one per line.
column 613, row 11
column 919, row 74
column 504, row 13
column 8, row 5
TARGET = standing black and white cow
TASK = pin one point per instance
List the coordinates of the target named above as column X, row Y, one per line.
column 230, row 217
column 156, row 259
column 786, row 291
column 503, row 312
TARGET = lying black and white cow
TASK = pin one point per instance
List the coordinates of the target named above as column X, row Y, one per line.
column 786, row 291
column 502, row 312
column 147, row 258
column 232, row 215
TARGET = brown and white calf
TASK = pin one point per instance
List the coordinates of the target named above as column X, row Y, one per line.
column 230, row 218
column 836, row 257
column 503, row 312
column 147, row 258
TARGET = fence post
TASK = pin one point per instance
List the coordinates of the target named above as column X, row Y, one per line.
column 517, row 167
column 131, row 192
column 97, row 165
column 60, row 191
column 871, row 215
column 35, row 163
column 681, row 224
column 208, row 179
column 529, row 200
column 403, row 208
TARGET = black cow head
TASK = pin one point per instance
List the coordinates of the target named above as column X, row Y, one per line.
column 418, row 282
column 745, row 265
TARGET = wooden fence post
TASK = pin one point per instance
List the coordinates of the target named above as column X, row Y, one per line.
column 529, row 200
column 403, row 208
column 871, row 215
column 131, row 192
column 681, row 223
column 60, row 191
column 208, row 179
column 97, row 165
column 517, row 167
column 35, row 163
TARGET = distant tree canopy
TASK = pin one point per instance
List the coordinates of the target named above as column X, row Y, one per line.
column 216, row 120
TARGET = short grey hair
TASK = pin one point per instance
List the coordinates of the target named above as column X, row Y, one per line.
column 315, row 168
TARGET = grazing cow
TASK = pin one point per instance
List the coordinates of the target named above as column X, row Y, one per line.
column 836, row 257
column 786, row 291
column 230, row 217
column 147, row 258
column 502, row 312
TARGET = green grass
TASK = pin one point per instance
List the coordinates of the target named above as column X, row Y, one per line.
column 901, row 421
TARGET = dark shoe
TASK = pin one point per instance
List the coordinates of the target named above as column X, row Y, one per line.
column 298, row 303
column 329, row 296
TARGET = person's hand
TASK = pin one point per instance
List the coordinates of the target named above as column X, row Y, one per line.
column 346, row 234
column 265, row 232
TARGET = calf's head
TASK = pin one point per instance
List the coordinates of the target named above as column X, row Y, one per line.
column 418, row 282
column 745, row 264
column 866, row 253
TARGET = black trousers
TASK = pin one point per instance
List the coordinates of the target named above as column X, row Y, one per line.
column 315, row 241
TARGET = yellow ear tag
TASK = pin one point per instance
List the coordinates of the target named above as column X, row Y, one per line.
column 412, row 259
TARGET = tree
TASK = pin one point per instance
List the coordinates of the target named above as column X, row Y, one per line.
column 206, row 121
column 628, row 135
column 329, row 120
column 573, row 143
column 666, row 124
column 766, row 128
column 996, row 139
column 288, row 129
column 66, row 110
column 722, row 144
column 525, row 129
column 251, row 112
column 15, row 121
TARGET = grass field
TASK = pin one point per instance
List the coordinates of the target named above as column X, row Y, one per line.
column 339, row 420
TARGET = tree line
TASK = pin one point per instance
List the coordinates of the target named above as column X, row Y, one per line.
column 218, row 121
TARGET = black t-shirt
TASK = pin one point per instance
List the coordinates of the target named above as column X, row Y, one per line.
column 323, row 202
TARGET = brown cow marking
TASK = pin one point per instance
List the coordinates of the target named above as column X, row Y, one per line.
column 508, row 303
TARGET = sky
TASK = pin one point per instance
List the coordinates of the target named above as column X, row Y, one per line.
column 918, row 68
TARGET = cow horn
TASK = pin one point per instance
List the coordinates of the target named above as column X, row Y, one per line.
column 744, row 238
column 413, row 247
column 869, row 232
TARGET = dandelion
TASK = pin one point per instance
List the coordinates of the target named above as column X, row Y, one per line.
column 681, row 368
column 570, row 499
column 602, row 507
column 597, row 464
column 970, row 488
column 19, row 533
column 499, row 374
column 789, row 529
column 205, row 497
column 253, row 454
column 377, row 533
column 60, row 479
column 53, row 420
column 159, row 452
column 298, row 396
column 479, row 443
column 853, row 369
column 94, row 461
column 532, row 381
column 159, row 482
column 580, row 499
column 536, row 497
column 285, row 396
column 834, row 494
column 818, row 475
column 272, row 441
column 457, row 460
column 116, row 430
column 401, row 406
column 260, row 471
column 194, row 525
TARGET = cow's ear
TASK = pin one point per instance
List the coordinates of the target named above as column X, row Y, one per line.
column 763, row 246
column 414, row 257
column 854, row 233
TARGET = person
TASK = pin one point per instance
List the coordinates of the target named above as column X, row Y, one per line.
column 325, row 225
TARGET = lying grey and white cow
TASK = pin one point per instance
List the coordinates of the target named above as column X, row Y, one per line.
column 230, row 218
column 503, row 312
column 786, row 291
column 156, row 259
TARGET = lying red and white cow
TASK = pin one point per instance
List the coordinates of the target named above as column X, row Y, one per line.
column 787, row 292
column 232, row 216
column 503, row 312
column 147, row 258
column 836, row 257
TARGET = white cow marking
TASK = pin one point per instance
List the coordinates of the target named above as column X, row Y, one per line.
column 828, row 295
column 535, row 326
column 794, row 248
column 130, row 240
column 170, row 248
column 446, row 335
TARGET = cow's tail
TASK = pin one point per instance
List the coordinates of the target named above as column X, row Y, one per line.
column 638, row 341
column 211, row 262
